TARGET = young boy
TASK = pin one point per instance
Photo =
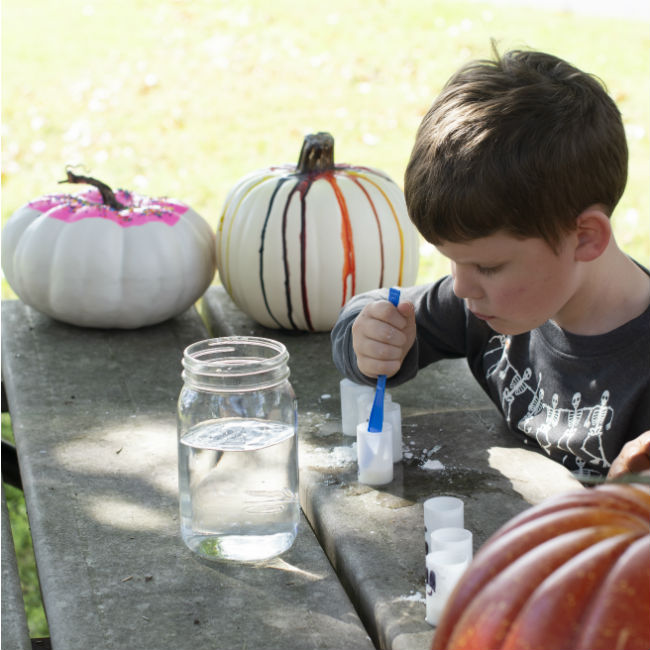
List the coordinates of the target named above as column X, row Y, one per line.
column 515, row 172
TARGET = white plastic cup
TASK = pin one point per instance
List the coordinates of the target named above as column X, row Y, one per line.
column 350, row 392
column 364, row 406
column 392, row 414
column 444, row 570
column 375, row 454
column 365, row 401
column 452, row 539
column 443, row 512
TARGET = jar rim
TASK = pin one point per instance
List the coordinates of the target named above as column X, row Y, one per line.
column 254, row 355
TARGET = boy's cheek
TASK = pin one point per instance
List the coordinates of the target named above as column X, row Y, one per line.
column 509, row 300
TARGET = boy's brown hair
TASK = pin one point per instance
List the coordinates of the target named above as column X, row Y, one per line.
column 522, row 144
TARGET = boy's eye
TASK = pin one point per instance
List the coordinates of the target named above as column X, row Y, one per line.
column 487, row 270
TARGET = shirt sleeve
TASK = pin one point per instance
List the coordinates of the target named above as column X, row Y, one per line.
column 441, row 321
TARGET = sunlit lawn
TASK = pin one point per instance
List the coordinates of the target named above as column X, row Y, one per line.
column 183, row 97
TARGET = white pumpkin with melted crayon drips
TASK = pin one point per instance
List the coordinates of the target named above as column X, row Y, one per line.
column 296, row 242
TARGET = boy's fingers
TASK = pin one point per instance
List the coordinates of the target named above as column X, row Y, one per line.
column 377, row 350
column 384, row 311
column 407, row 309
column 381, row 336
column 373, row 367
column 634, row 457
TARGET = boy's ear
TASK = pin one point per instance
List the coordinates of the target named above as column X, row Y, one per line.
column 593, row 232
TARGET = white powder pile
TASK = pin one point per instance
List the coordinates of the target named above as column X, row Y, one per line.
column 416, row 597
column 432, row 464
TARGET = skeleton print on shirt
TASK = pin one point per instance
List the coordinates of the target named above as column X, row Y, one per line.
column 559, row 423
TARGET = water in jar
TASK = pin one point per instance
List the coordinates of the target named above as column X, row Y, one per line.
column 238, row 487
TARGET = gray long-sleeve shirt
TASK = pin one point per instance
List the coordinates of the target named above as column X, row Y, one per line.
column 579, row 397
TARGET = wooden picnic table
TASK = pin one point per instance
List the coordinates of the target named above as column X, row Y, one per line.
column 93, row 413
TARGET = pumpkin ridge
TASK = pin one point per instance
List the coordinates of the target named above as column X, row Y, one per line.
column 501, row 551
column 15, row 271
column 633, row 500
column 56, row 260
column 177, row 251
column 303, row 257
column 627, row 587
column 357, row 182
column 200, row 230
column 565, row 519
column 233, row 219
column 550, row 623
column 637, row 493
column 349, row 264
column 276, row 189
column 285, row 256
column 121, row 264
column 486, row 619
column 396, row 220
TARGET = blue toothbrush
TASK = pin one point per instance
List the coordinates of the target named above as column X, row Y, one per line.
column 376, row 420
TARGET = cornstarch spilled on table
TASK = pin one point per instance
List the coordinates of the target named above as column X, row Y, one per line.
column 423, row 459
column 338, row 456
column 417, row 597
column 432, row 464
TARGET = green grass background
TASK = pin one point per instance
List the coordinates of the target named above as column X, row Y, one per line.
column 183, row 97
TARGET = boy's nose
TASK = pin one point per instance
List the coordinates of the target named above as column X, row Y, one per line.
column 465, row 285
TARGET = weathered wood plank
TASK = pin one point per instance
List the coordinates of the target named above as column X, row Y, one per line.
column 15, row 634
column 94, row 419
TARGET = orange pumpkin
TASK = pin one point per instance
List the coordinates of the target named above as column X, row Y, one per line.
column 572, row 572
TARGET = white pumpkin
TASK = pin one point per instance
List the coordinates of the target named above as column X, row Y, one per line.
column 109, row 260
column 295, row 242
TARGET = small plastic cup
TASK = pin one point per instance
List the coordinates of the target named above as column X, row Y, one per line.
column 350, row 392
column 392, row 414
column 444, row 570
column 443, row 512
column 375, row 454
column 452, row 539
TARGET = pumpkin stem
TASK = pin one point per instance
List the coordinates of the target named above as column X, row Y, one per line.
column 317, row 153
column 108, row 196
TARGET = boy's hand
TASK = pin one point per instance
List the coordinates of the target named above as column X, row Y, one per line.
column 382, row 335
column 634, row 457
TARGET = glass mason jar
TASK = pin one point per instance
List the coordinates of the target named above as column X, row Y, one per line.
column 238, row 449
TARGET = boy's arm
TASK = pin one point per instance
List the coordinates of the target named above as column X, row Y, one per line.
column 634, row 457
column 440, row 330
column 382, row 336
column 343, row 337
